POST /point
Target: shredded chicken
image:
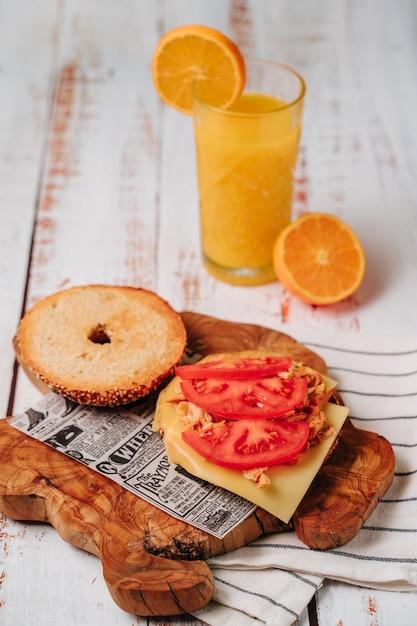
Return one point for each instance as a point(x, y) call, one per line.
point(259, 476)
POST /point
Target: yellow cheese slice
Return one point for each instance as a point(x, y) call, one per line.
point(289, 483)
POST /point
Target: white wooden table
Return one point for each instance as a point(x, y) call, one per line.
point(98, 184)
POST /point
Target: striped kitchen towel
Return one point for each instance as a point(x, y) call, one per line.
point(272, 580)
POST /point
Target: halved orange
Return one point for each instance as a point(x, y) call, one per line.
point(200, 58)
point(319, 258)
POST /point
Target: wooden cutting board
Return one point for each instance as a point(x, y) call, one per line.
point(152, 563)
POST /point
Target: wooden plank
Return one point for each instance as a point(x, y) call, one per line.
point(96, 218)
point(27, 41)
point(339, 603)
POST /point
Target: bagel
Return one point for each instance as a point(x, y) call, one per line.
point(101, 345)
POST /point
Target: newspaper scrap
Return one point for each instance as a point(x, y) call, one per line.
point(121, 445)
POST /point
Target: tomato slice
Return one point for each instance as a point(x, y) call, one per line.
point(246, 367)
point(272, 397)
point(249, 444)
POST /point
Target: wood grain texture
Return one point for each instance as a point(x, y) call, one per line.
point(154, 564)
point(96, 515)
point(347, 488)
point(26, 73)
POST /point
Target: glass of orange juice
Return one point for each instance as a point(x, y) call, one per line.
point(246, 156)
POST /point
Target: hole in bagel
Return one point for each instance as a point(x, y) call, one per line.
point(99, 334)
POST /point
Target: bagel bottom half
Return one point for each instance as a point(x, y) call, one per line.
point(101, 345)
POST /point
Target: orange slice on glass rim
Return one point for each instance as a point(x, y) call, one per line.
point(197, 58)
point(319, 258)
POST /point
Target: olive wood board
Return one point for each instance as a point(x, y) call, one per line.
point(152, 563)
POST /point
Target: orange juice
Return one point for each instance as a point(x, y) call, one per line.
point(246, 158)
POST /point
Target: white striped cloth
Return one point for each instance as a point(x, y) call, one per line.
point(272, 580)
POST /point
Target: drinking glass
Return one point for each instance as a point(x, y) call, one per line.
point(246, 157)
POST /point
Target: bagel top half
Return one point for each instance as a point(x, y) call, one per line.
point(101, 345)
